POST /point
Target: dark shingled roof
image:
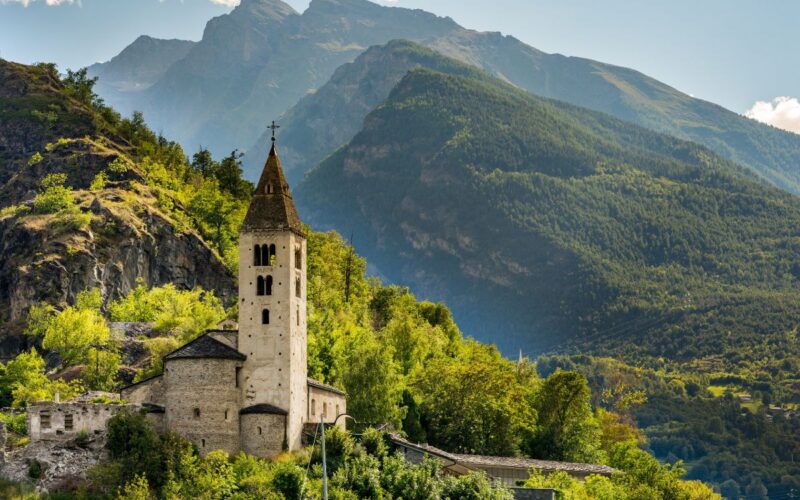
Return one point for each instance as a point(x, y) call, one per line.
point(263, 408)
point(325, 387)
point(272, 207)
point(528, 463)
point(473, 461)
point(206, 346)
point(148, 379)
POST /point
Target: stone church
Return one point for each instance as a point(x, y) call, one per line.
point(248, 389)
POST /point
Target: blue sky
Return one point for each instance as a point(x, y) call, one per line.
point(733, 52)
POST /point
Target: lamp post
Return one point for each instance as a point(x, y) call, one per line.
point(324, 459)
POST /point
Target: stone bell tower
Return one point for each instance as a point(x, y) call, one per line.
point(272, 302)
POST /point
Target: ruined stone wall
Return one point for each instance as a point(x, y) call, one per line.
point(63, 421)
point(150, 391)
point(327, 403)
point(263, 434)
point(202, 402)
point(276, 366)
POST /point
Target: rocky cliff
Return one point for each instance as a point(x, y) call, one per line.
point(125, 235)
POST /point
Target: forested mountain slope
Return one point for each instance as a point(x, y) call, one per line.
point(543, 224)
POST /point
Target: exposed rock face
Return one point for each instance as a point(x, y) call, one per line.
point(140, 64)
point(259, 60)
point(48, 258)
point(61, 464)
point(119, 248)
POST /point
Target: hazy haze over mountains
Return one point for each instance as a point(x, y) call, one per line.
point(261, 59)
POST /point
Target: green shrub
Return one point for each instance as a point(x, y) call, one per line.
point(287, 479)
point(99, 182)
point(473, 486)
point(118, 167)
point(14, 210)
point(15, 422)
point(362, 476)
point(35, 469)
point(53, 197)
point(83, 438)
point(374, 442)
point(36, 158)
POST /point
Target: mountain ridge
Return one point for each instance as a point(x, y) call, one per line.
point(578, 226)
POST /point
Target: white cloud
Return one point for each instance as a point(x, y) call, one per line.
point(229, 3)
point(51, 3)
point(782, 112)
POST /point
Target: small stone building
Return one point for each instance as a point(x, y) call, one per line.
point(247, 389)
point(54, 421)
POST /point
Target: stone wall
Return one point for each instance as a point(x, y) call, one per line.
point(149, 391)
point(202, 402)
point(62, 421)
point(263, 434)
point(322, 402)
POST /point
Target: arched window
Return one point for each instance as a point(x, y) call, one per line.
point(272, 256)
point(270, 189)
point(257, 255)
point(268, 289)
point(259, 430)
point(324, 409)
point(297, 290)
point(298, 315)
point(196, 413)
point(203, 443)
point(298, 258)
point(265, 317)
point(260, 288)
point(226, 414)
point(264, 255)
point(313, 406)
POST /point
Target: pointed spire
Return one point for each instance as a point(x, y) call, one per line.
point(272, 207)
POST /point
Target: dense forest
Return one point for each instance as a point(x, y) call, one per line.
point(555, 229)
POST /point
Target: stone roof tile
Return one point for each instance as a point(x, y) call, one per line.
point(263, 408)
point(272, 207)
point(528, 463)
point(325, 387)
point(206, 346)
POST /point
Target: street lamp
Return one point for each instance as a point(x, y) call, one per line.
point(324, 460)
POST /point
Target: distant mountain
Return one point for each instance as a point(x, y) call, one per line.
point(254, 63)
point(544, 225)
point(634, 97)
point(327, 119)
point(137, 67)
point(121, 231)
point(330, 117)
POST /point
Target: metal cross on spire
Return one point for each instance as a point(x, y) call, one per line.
point(274, 127)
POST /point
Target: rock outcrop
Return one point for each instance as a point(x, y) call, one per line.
point(129, 238)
